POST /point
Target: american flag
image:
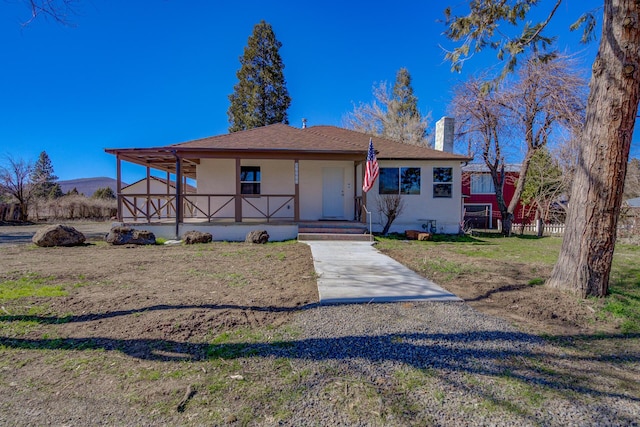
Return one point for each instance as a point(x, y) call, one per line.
point(371, 172)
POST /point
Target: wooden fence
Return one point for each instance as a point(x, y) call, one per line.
point(548, 230)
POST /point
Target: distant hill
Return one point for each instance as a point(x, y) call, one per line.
point(88, 186)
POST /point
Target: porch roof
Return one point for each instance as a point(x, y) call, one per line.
point(279, 141)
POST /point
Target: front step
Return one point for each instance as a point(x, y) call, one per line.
point(333, 230)
point(335, 236)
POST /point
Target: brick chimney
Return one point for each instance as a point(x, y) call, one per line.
point(444, 134)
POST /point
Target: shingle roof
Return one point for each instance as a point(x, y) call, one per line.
point(279, 137)
point(279, 141)
point(385, 148)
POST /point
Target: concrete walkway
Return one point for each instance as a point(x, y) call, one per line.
point(356, 272)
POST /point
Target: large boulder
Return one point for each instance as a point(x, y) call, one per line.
point(257, 236)
point(193, 237)
point(58, 235)
point(122, 235)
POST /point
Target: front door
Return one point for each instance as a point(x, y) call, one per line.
point(333, 193)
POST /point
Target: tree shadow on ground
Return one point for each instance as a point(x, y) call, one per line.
point(89, 317)
point(486, 353)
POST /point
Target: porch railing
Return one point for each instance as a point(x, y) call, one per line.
point(206, 207)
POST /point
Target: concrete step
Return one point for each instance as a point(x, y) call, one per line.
point(334, 236)
point(333, 230)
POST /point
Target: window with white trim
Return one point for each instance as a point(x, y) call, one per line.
point(399, 181)
point(250, 180)
point(442, 182)
point(482, 183)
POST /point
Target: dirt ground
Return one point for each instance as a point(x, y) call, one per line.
point(182, 292)
point(501, 288)
point(244, 292)
point(160, 306)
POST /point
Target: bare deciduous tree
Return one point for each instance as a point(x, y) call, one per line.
point(393, 114)
point(58, 10)
point(480, 119)
point(545, 96)
point(14, 180)
point(391, 206)
point(548, 96)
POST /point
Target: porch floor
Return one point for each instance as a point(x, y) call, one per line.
point(307, 230)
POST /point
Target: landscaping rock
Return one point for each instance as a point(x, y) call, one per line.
point(58, 235)
point(193, 237)
point(130, 236)
point(257, 236)
point(417, 235)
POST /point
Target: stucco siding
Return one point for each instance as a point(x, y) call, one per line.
point(311, 188)
point(423, 207)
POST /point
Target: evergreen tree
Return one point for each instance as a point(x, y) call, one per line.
point(56, 191)
point(42, 177)
point(403, 121)
point(260, 97)
point(544, 183)
point(104, 193)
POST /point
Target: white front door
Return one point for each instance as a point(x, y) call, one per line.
point(333, 193)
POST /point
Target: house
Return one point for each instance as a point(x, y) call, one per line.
point(137, 205)
point(480, 201)
point(279, 178)
point(630, 215)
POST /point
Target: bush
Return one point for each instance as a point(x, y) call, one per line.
point(75, 207)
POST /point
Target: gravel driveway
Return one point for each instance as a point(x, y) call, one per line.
point(481, 371)
point(20, 234)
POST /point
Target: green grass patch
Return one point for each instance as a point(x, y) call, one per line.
point(30, 285)
point(623, 301)
point(542, 250)
point(443, 266)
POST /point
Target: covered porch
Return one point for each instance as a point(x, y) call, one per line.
point(231, 193)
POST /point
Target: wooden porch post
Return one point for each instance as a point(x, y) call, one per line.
point(296, 198)
point(148, 192)
point(119, 186)
point(178, 194)
point(364, 194)
point(238, 192)
point(356, 214)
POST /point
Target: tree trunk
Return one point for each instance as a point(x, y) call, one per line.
point(507, 223)
point(584, 263)
point(390, 220)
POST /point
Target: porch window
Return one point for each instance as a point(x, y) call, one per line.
point(442, 182)
point(250, 179)
point(482, 183)
point(399, 181)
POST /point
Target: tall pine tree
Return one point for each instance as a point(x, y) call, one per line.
point(42, 177)
point(403, 120)
point(260, 97)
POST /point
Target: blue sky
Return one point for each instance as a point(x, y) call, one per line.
point(156, 72)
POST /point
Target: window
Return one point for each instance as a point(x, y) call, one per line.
point(482, 183)
point(442, 182)
point(399, 181)
point(250, 179)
